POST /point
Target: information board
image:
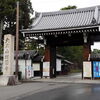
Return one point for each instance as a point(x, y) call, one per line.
point(36, 66)
point(87, 71)
point(46, 68)
point(96, 69)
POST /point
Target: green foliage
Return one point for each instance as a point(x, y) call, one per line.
point(1, 49)
point(8, 15)
point(72, 53)
point(69, 7)
point(96, 51)
point(1, 73)
point(8, 12)
point(41, 51)
point(75, 71)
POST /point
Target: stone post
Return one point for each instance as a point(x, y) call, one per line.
point(8, 61)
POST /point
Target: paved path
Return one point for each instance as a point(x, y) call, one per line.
point(25, 89)
point(72, 78)
point(40, 85)
point(71, 92)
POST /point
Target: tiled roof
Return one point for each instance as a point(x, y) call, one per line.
point(29, 53)
point(23, 53)
point(60, 56)
point(68, 62)
point(38, 58)
point(67, 19)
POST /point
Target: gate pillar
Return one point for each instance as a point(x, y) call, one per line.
point(50, 56)
point(86, 51)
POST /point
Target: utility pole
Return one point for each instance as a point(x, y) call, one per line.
point(17, 38)
point(1, 28)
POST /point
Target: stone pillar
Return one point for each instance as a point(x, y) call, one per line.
point(8, 61)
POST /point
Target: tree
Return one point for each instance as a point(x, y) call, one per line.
point(72, 53)
point(8, 15)
point(96, 51)
point(69, 7)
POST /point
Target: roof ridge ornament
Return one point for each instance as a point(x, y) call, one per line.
point(96, 16)
point(37, 21)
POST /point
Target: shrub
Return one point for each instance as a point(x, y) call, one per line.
point(1, 73)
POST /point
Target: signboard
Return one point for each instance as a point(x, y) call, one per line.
point(96, 68)
point(87, 70)
point(58, 65)
point(36, 67)
point(46, 68)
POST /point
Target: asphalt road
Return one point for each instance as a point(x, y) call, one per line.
point(70, 92)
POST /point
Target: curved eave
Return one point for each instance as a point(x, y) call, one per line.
point(42, 32)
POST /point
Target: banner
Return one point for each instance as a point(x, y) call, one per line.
point(96, 69)
point(29, 69)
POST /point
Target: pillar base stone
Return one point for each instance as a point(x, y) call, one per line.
point(8, 80)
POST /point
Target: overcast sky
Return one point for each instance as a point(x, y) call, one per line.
point(55, 5)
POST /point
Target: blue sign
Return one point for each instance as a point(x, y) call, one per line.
point(96, 68)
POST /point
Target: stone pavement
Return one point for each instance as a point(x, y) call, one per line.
point(39, 85)
point(72, 78)
point(25, 89)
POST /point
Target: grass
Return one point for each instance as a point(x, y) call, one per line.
point(75, 71)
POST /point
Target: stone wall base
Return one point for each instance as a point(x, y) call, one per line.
point(8, 80)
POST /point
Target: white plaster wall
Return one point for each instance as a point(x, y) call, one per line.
point(22, 66)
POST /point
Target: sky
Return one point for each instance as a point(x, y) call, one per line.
point(55, 5)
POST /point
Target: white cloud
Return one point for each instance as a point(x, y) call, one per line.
point(96, 46)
